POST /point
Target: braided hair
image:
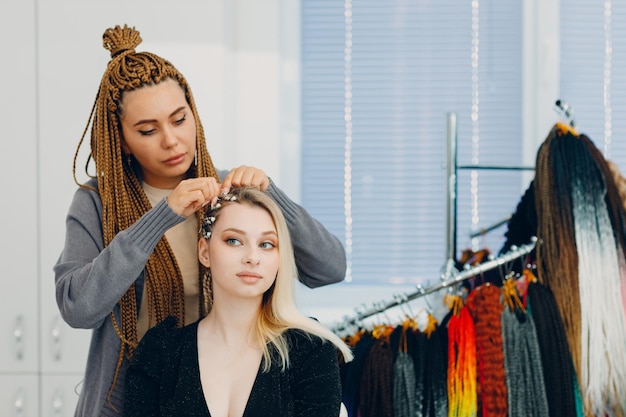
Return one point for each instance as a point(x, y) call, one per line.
point(119, 182)
point(557, 257)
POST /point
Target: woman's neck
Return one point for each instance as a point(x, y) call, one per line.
point(232, 323)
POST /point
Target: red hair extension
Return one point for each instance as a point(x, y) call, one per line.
point(485, 307)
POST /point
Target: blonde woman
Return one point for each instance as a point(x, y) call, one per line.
point(254, 354)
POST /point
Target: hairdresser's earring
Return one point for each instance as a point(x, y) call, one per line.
point(195, 158)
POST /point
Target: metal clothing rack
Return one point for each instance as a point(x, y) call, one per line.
point(451, 276)
point(450, 281)
point(452, 168)
point(564, 112)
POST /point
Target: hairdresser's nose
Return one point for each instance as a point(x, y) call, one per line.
point(169, 138)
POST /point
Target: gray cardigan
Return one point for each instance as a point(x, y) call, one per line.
point(91, 279)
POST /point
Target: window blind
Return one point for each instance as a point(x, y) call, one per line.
point(593, 71)
point(378, 79)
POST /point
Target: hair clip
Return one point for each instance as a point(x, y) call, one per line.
point(208, 219)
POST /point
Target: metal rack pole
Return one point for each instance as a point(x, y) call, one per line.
point(381, 306)
point(451, 192)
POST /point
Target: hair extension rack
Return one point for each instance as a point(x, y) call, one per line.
point(564, 111)
point(447, 281)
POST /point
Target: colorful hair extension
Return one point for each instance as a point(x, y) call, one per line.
point(557, 258)
point(603, 355)
point(462, 395)
point(485, 306)
point(581, 259)
point(524, 376)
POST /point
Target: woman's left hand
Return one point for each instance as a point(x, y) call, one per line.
point(246, 176)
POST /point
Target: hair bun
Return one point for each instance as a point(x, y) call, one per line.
point(118, 39)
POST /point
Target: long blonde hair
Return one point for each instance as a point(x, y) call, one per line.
point(119, 182)
point(279, 312)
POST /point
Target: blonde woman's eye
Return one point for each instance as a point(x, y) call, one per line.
point(267, 245)
point(146, 132)
point(233, 242)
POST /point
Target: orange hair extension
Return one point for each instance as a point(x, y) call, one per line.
point(431, 325)
point(564, 129)
point(454, 303)
point(462, 395)
point(485, 308)
point(511, 295)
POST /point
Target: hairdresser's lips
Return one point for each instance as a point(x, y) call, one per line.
point(249, 277)
point(175, 160)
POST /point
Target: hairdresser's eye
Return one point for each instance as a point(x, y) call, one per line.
point(146, 132)
point(182, 119)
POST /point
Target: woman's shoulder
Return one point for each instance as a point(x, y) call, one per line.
point(310, 355)
point(87, 191)
point(303, 343)
point(90, 187)
point(86, 203)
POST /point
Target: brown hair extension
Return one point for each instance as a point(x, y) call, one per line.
point(119, 184)
point(486, 308)
point(375, 389)
point(557, 257)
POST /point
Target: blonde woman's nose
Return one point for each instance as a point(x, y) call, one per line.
point(251, 257)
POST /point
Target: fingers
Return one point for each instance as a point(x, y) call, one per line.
point(192, 194)
point(246, 176)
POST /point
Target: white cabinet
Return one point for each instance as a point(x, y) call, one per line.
point(59, 395)
point(18, 344)
point(18, 182)
point(41, 358)
point(19, 396)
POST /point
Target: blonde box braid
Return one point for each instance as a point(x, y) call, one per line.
point(119, 184)
point(603, 359)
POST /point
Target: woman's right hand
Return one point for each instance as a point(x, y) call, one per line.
point(192, 194)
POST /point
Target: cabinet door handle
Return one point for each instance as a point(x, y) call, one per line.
point(18, 337)
point(19, 402)
point(56, 339)
point(57, 403)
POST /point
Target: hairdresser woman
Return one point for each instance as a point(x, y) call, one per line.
point(130, 255)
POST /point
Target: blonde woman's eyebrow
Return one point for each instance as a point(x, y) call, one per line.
point(234, 229)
